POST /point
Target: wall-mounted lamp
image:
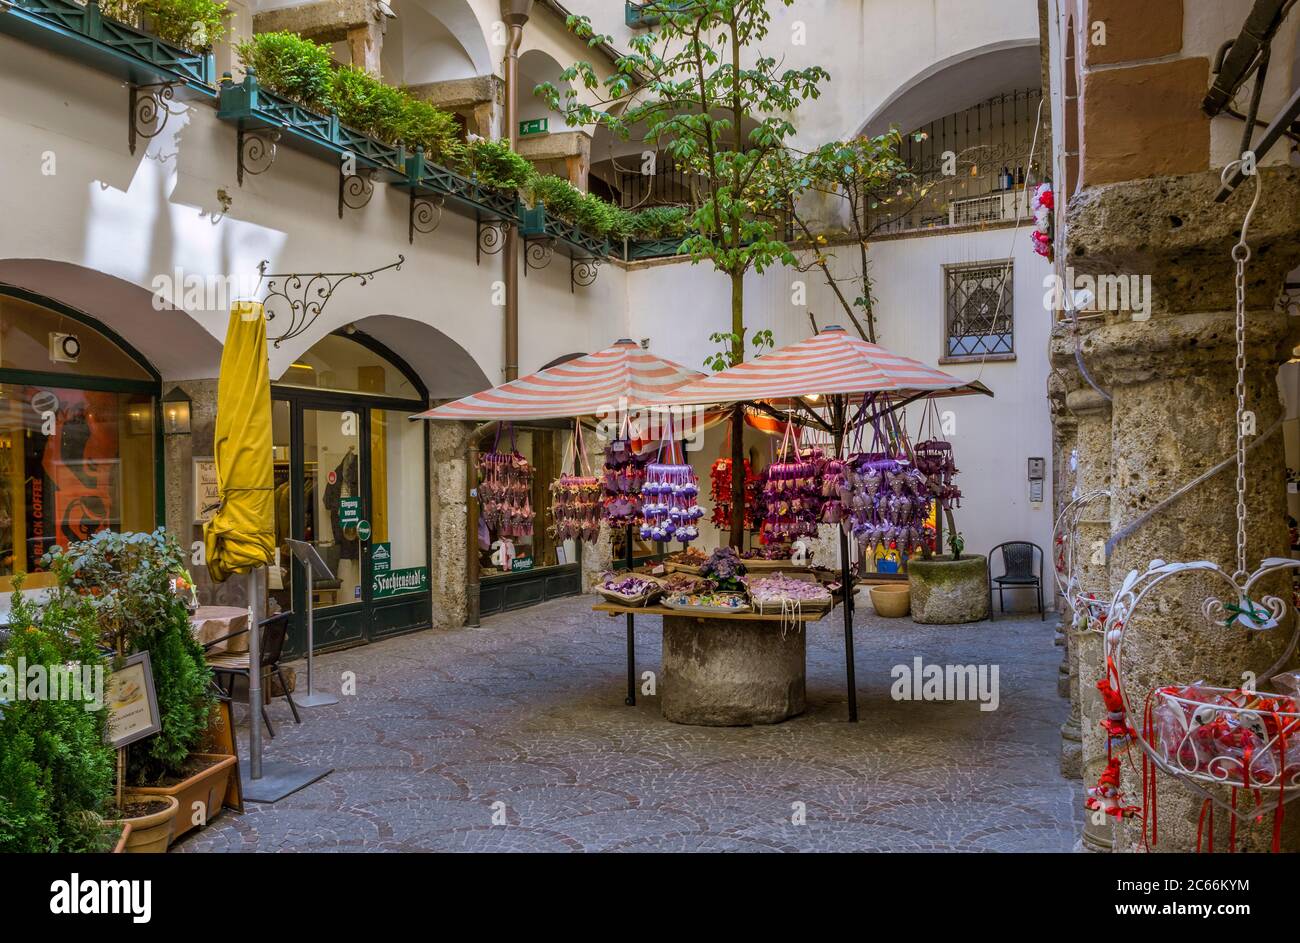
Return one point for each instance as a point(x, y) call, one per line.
point(176, 412)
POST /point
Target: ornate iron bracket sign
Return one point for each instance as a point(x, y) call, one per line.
point(355, 190)
point(425, 215)
point(255, 151)
point(538, 254)
point(149, 109)
point(582, 272)
point(303, 297)
point(490, 235)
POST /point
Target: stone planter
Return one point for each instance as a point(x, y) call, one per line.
point(948, 592)
point(207, 787)
point(731, 672)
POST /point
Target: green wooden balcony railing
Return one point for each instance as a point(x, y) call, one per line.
point(82, 32)
point(536, 223)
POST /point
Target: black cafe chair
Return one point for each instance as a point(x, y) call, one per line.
point(1018, 558)
point(231, 665)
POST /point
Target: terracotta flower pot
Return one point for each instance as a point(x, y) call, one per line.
point(207, 787)
point(892, 600)
point(149, 834)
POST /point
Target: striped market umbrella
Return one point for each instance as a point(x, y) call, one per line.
point(836, 369)
point(828, 364)
point(618, 378)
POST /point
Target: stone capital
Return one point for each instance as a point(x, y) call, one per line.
point(1170, 229)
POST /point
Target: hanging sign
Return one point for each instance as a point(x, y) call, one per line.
point(363, 530)
point(381, 557)
point(412, 579)
point(349, 511)
point(534, 126)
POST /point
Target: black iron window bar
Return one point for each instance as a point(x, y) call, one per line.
point(302, 297)
point(979, 310)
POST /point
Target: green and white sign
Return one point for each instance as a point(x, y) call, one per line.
point(349, 511)
point(534, 126)
point(363, 530)
point(412, 579)
point(381, 557)
point(519, 564)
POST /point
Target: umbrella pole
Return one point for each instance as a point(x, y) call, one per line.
point(838, 412)
point(257, 612)
point(630, 700)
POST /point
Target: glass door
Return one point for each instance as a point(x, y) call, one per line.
point(354, 483)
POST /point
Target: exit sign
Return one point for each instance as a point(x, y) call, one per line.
point(534, 126)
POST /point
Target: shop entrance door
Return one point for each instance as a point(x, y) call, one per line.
point(353, 480)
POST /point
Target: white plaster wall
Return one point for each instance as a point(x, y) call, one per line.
point(139, 217)
point(992, 439)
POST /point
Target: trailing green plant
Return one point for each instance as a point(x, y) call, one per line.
point(561, 198)
point(494, 165)
point(137, 586)
point(194, 24)
point(56, 771)
point(420, 124)
point(291, 66)
point(659, 222)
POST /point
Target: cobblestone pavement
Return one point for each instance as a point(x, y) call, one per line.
point(528, 711)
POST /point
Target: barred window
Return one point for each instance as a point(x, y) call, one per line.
point(979, 306)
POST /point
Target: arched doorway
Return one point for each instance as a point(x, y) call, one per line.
point(352, 479)
point(79, 433)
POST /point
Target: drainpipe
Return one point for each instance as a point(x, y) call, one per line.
point(515, 14)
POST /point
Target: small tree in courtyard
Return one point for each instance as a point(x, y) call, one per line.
point(697, 88)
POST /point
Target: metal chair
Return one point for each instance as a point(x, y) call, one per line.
point(231, 665)
point(1018, 564)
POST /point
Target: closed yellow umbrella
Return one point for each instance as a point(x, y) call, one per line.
point(241, 535)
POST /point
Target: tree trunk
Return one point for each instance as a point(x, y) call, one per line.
point(738, 416)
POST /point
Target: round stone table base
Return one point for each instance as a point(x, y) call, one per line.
point(731, 672)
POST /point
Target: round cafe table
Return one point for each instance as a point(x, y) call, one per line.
point(214, 622)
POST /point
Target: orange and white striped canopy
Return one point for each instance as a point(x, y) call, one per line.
point(610, 381)
point(826, 364)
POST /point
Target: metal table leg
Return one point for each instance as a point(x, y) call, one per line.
point(630, 700)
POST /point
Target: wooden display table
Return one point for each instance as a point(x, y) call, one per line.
point(726, 669)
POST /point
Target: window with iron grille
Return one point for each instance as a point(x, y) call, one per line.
point(979, 307)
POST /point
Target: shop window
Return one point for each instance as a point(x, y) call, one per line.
point(77, 437)
point(545, 450)
point(978, 310)
point(339, 363)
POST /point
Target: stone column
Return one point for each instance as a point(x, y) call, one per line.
point(365, 43)
point(1094, 416)
point(448, 445)
point(1173, 417)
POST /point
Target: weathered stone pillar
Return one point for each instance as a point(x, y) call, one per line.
point(448, 444)
point(359, 23)
point(1172, 381)
point(480, 98)
point(564, 153)
point(1092, 455)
